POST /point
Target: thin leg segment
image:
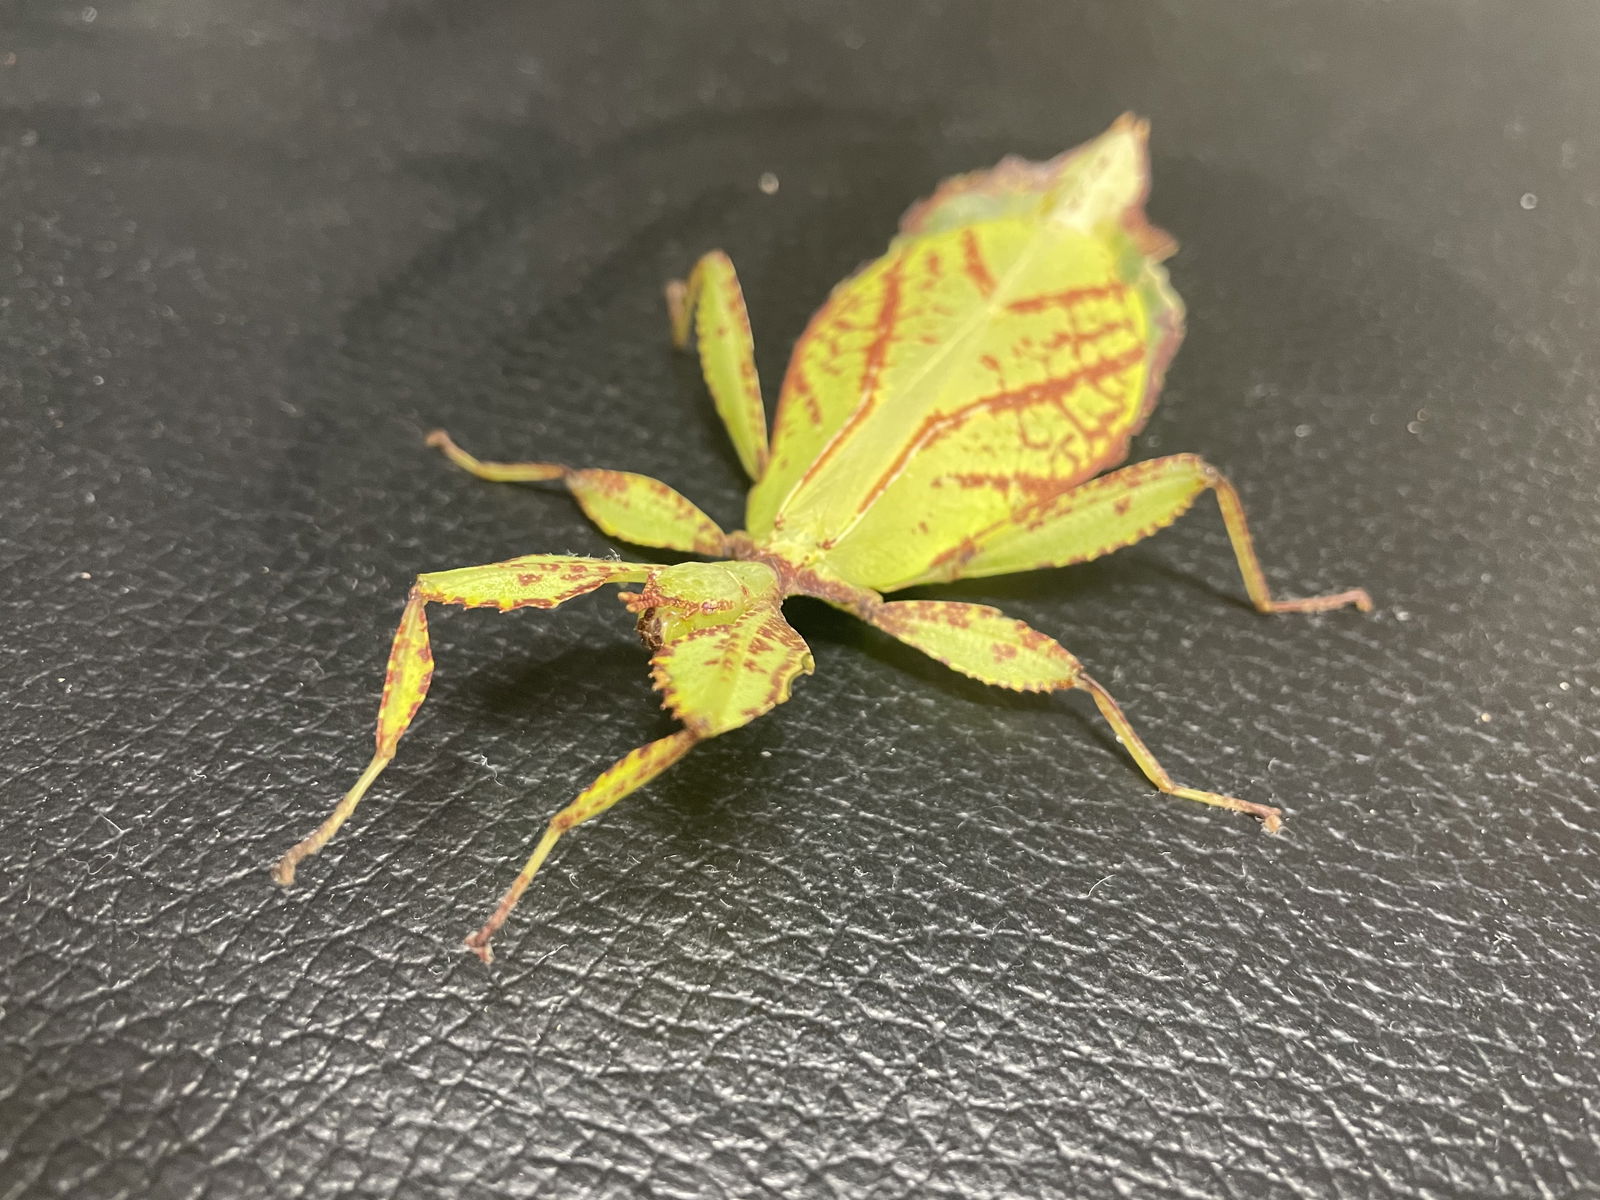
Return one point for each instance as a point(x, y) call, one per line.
point(989, 646)
point(632, 508)
point(626, 775)
point(1117, 510)
point(539, 581)
point(713, 302)
point(404, 687)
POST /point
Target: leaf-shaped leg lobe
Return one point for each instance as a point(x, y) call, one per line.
point(710, 304)
point(723, 655)
point(538, 581)
point(991, 647)
point(1114, 511)
point(405, 685)
point(629, 507)
point(626, 775)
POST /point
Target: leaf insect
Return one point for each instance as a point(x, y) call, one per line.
point(947, 414)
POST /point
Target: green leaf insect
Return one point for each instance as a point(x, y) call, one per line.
point(947, 414)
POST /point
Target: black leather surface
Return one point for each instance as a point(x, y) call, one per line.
point(905, 937)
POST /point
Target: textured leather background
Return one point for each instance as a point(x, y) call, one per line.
point(906, 937)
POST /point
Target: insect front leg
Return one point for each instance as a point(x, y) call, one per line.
point(723, 655)
point(540, 581)
point(1117, 510)
point(626, 775)
point(632, 508)
point(996, 649)
point(405, 685)
point(710, 304)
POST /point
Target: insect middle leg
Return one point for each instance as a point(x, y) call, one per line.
point(634, 508)
point(1122, 508)
point(989, 646)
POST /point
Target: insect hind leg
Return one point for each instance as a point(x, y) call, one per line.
point(989, 646)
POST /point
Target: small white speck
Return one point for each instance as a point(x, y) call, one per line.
point(1529, 201)
point(768, 753)
point(1485, 718)
point(1401, 614)
point(1565, 686)
point(768, 183)
point(89, 14)
point(84, 575)
point(1301, 431)
point(1413, 426)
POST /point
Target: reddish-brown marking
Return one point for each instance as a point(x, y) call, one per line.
point(803, 393)
point(1080, 338)
point(877, 354)
point(1121, 506)
point(972, 263)
point(1035, 487)
point(1070, 298)
point(884, 328)
point(1013, 400)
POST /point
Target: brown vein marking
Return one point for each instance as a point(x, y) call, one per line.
point(1052, 390)
point(972, 263)
point(1038, 514)
point(760, 631)
point(1070, 298)
point(1075, 337)
point(803, 393)
point(877, 353)
point(1034, 486)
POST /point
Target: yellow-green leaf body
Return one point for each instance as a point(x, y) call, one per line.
point(948, 412)
point(1005, 349)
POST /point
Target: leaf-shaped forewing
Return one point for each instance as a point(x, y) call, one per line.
point(988, 388)
point(719, 677)
point(892, 324)
point(1102, 182)
point(1005, 349)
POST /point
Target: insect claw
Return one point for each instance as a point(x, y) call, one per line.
point(478, 943)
